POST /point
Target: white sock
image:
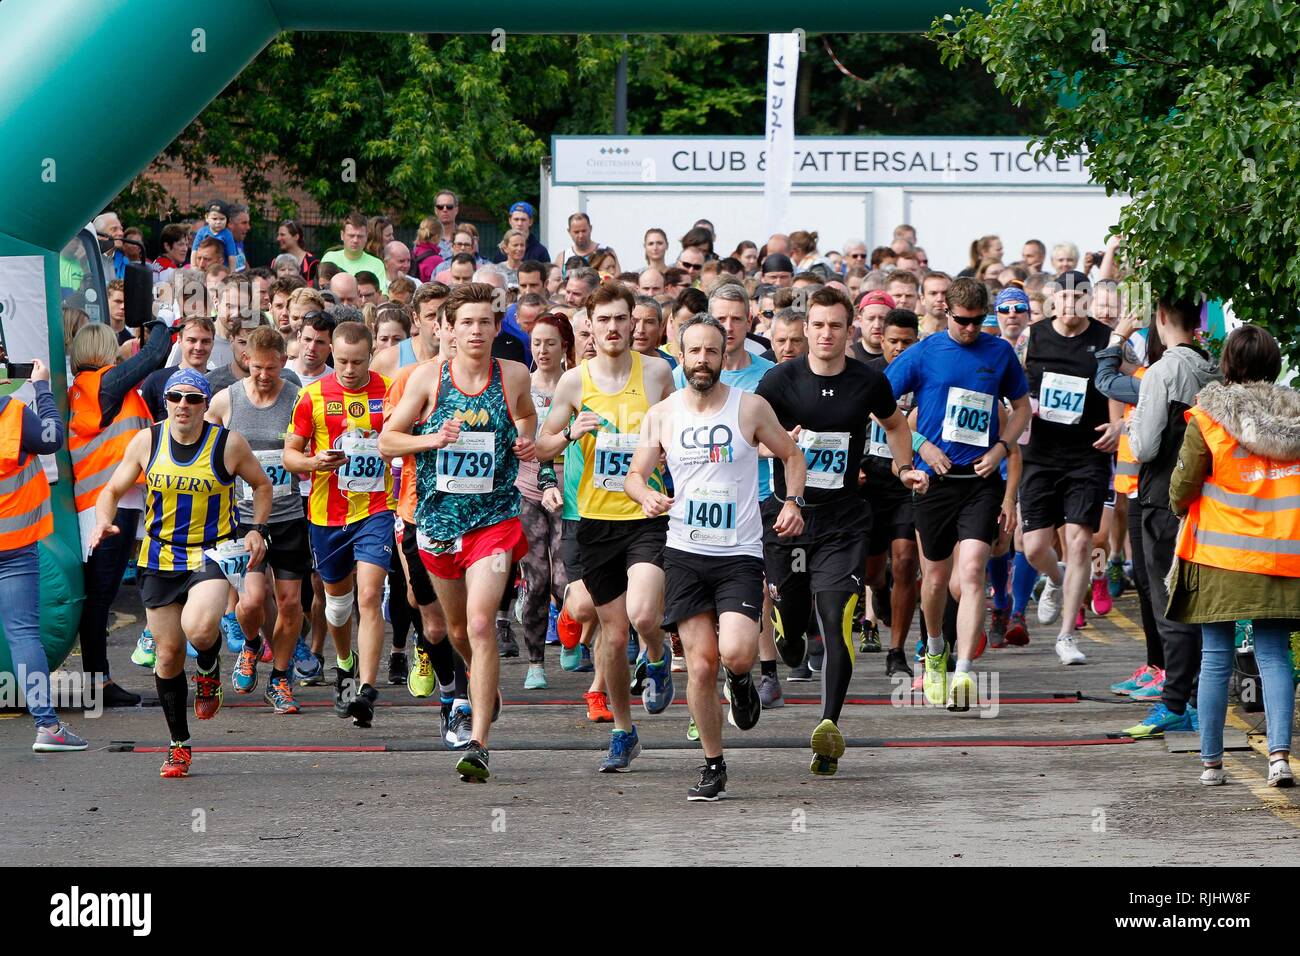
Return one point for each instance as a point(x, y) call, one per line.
point(963, 665)
point(935, 645)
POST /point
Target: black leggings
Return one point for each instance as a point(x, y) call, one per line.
point(400, 613)
point(1155, 650)
point(792, 611)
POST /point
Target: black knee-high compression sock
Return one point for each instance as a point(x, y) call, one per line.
point(173, 694)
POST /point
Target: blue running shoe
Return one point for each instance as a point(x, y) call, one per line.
point(1162, 720)
point(190, 650)
point(585, 666)
point(623, 746)
point(146, 651)
point(570, 659)
point(231, 632)
point(633, 647)
point(658, 693)
point(552, 633)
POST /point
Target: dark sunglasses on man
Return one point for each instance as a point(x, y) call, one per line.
point(966, 319)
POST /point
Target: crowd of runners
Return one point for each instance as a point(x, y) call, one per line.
point(779, 456)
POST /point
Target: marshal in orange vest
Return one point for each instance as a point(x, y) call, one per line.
point(96, 452)
point(1248, 515)
point(25, 515)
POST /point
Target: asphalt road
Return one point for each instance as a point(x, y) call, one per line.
point(1038, 782)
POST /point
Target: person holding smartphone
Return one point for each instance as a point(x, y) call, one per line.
point(26, 518)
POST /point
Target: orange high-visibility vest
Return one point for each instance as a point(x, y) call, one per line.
point(1127, 466)
point(1248, 515)
point(96, 452)
point(25, 515)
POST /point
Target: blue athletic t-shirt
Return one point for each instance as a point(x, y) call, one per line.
point(746, 379)
point(957, 390)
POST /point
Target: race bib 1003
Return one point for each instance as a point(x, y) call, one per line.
point(272, 463)
point(967, 416)
point(827, 454)
point(364, 471)
point(1061, 398)
point(711, 513)
point(468, 465)
point(613, 460)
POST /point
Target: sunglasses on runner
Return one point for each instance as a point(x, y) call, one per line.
point(189, 398)
point(966, 319)
point(1017, 309)
point(690, 265)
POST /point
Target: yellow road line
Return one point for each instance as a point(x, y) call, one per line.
point(1280, 806)
point(1127, 625)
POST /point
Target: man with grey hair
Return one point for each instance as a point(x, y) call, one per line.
point(108, 226)
point(856, 254)
point(397, 262)
point(579, 285)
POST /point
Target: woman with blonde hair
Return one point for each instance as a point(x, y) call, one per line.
point(512, 246)
point(105, 412)
point(606, 263)
point(982, 249)
point(425, 257)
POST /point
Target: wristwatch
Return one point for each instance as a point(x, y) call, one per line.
point(568, 436)
point(260, 529)
point(798, 501)
point(1003, 443)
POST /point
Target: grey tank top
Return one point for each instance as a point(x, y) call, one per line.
point(265, 429)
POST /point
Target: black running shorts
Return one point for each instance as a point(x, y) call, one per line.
point(956, 509)
point(830, 554)
point(1052, 496)
point(696, 584)
point(609, 548)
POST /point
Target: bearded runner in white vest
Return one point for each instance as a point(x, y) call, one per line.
point(713, 562)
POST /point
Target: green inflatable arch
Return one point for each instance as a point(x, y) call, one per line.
point(81, 114)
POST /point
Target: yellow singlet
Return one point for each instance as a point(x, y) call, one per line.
point(607, 452)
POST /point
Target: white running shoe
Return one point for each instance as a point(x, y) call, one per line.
point(1279, 774)
point(1067, 649)
point(1049, 603)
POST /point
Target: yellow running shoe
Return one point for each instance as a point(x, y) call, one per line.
point(962, 692)
point(828, 748)
point(936, 678)
point(420, 681)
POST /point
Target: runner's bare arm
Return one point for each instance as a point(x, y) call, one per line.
point(396, 440)
point(133, 462)
point(899, 438)
point(219, 408)
point(520, 391)
point(241, 461)
point(385, 361)
point(644, 461)
point(768, 431)
point(658, 381)
point(564, 406)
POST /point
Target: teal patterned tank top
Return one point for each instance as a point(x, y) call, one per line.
point(469, 484)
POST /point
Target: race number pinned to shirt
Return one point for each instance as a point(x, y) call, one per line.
point(1061, 398)
point(232, 557)
point(711, 513)
point(364, 470)
point(827, 454)
point(614, 452)
point(878, 446)
point(468, 465)
point(967, 417)
point(272, 463)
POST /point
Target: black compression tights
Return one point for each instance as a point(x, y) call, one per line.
point(834, 610)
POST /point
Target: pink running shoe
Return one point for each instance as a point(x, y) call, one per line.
point(1101, 599)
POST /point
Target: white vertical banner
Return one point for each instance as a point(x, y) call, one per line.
point(782, 75)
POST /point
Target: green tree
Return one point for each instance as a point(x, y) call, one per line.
point(1188, 108)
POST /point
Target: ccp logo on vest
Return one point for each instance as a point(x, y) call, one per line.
point(716, 439)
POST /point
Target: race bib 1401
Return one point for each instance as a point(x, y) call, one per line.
point(711, 513)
